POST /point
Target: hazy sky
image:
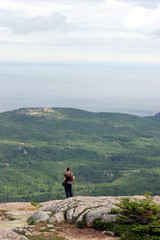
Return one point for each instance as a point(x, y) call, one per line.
point(80, 30)
point(98, 49)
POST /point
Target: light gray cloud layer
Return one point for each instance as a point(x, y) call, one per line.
point(144, 3)
point(81, 30)
point(56, 22)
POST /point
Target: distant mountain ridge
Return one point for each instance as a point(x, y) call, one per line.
point(157, 115)
point(109, 153)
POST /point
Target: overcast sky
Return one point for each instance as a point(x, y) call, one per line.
point(105, 49)
point(80, 30)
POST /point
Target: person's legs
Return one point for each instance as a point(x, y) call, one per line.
point(67, 190)
point(70, 190)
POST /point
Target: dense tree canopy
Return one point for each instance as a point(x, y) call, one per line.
point(109, 153)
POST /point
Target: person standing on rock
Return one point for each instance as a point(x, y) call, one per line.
point(68, 178)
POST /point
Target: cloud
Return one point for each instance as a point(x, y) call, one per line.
point(144, 3)
point(56, 22)
point(94, 29)
point(144, 20)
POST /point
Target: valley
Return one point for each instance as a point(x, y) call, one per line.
point(110, 153)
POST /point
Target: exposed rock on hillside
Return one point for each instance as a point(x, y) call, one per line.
point(78, 209)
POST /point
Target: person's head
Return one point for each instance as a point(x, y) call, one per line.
point(68, 169)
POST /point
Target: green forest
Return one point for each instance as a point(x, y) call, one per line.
point(109, 153)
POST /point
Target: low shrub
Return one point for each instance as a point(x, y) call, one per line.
point(115, 211)
point(83, 223)
point(138, 220)
point(99, 225)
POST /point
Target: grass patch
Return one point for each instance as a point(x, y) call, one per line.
point(54, 236)
point(3, 211)
point(4, 215)
point(10, 217)
point(42, 227)
point(52, 213)
point(37, 205)
point(83, 223)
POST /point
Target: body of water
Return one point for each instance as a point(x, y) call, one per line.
point(102, 88)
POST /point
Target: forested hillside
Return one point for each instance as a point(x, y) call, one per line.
point(109, 153)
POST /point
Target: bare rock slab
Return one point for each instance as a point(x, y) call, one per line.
point(7, 234)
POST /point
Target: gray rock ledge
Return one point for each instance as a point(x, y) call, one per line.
point(73, 209)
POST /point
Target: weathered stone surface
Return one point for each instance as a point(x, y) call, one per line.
point(79, 210)
point(76, 207)
point(96, 213)
point(27, 233)
point(69, 215)
point(109, 218)
point(109, 233)
point(54, 211)
point(58, 217)
point(7, 234)
point(16, 206)
point(40, 216)
point(50, 225)
point(81, 216)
